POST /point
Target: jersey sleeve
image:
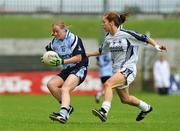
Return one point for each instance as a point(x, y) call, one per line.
point(77, 46)
point(135, 38)
point(48, 47)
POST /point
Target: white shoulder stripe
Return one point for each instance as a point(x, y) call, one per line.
point(75, 43)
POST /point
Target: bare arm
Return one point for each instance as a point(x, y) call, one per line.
point(73, 59)
point(156, 45)
point(95, 53)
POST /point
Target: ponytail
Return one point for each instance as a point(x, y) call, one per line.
point(122, 17)
point(117, 18)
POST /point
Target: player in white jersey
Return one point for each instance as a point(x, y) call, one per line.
point(123, 45)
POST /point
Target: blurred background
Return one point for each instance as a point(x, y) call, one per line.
point(25, 28)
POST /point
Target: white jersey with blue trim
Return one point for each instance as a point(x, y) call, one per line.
point(124, 47)
point(69, 47)
point(105, 64)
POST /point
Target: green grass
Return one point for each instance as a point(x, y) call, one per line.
point(30, 113)
point(85, 27)
point(165, 28)
point(40, 27)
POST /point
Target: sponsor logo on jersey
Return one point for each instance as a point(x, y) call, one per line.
point(116, 46)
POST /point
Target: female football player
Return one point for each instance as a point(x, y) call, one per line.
point(74, 60)
point(123, 45)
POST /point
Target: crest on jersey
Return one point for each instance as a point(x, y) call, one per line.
point(79, 48)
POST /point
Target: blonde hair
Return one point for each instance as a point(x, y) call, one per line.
point(61, 24)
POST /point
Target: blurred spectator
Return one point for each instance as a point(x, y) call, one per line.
point(161, 72)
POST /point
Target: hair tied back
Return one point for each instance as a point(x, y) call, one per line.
point(122, 17)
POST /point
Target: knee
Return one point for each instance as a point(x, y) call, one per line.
point(50, 85)
point(65, 89)
point(107, 87)
point(107, 84)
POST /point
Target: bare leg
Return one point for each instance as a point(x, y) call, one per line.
point(116, 80)
point(126, 98)
point(54, 86)
point(132, 100)
point(70, 83)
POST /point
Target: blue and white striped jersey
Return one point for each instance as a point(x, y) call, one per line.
point(124, 47)
point(69, 47)
point(105, 64)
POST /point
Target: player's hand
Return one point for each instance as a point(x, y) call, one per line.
point(56, 61)
point(87, 54)
point(160, 47)
point(42, 61)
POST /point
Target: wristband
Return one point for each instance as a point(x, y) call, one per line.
point(157, 47)
point(62, 62)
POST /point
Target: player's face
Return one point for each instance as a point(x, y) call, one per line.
point(106, 25)
point(58, 32)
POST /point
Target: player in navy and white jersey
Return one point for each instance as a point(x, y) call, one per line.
point(104, 62)
point(124, 46)
point(71, 50)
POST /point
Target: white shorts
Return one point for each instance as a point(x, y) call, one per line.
point(130, 76)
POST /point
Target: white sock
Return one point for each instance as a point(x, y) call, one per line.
point(64, 111)
point(106, 105)
point(144, 106)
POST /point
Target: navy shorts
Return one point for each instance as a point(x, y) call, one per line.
point(80, 72)
point(104, 79)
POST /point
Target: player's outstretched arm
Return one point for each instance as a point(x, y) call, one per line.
point(94, 53)
point(156, 45)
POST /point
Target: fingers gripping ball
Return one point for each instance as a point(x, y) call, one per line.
point(51, 58)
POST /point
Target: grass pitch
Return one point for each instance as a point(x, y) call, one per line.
point(85, 27)
point(30, 113)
